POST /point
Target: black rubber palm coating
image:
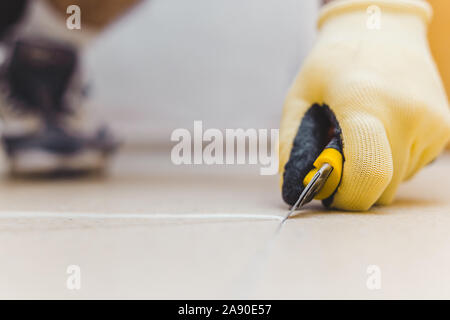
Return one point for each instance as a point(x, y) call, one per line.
point(318, 130)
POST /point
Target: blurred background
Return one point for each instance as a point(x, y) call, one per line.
point(170, 62)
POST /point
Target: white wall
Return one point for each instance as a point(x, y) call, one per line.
point(226, 62)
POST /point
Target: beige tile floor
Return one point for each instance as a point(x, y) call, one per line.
point(153, 230)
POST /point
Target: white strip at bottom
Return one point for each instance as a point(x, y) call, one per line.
point(144, 216)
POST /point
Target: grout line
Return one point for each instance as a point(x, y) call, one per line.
point(251, 277)
point(144, 216)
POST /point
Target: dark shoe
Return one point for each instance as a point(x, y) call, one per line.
point(40, 132)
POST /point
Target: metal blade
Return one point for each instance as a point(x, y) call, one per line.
point(312, 189)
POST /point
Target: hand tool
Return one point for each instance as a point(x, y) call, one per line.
point(321, 182)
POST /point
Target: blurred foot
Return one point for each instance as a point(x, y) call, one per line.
point(42, 133)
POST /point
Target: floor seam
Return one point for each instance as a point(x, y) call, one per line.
point(145, 216)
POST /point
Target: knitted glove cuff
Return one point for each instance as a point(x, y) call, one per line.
point(337, 7)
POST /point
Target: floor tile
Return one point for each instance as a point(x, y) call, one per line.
point(129, 259)
point(321, 254)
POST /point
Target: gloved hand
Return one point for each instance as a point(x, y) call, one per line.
point(378, 90)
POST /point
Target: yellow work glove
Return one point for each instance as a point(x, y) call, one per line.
point(371, 82)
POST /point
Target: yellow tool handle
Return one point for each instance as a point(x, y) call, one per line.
point(334, 158)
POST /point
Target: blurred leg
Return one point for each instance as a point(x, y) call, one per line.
point(10, 13)
point(43, 130)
